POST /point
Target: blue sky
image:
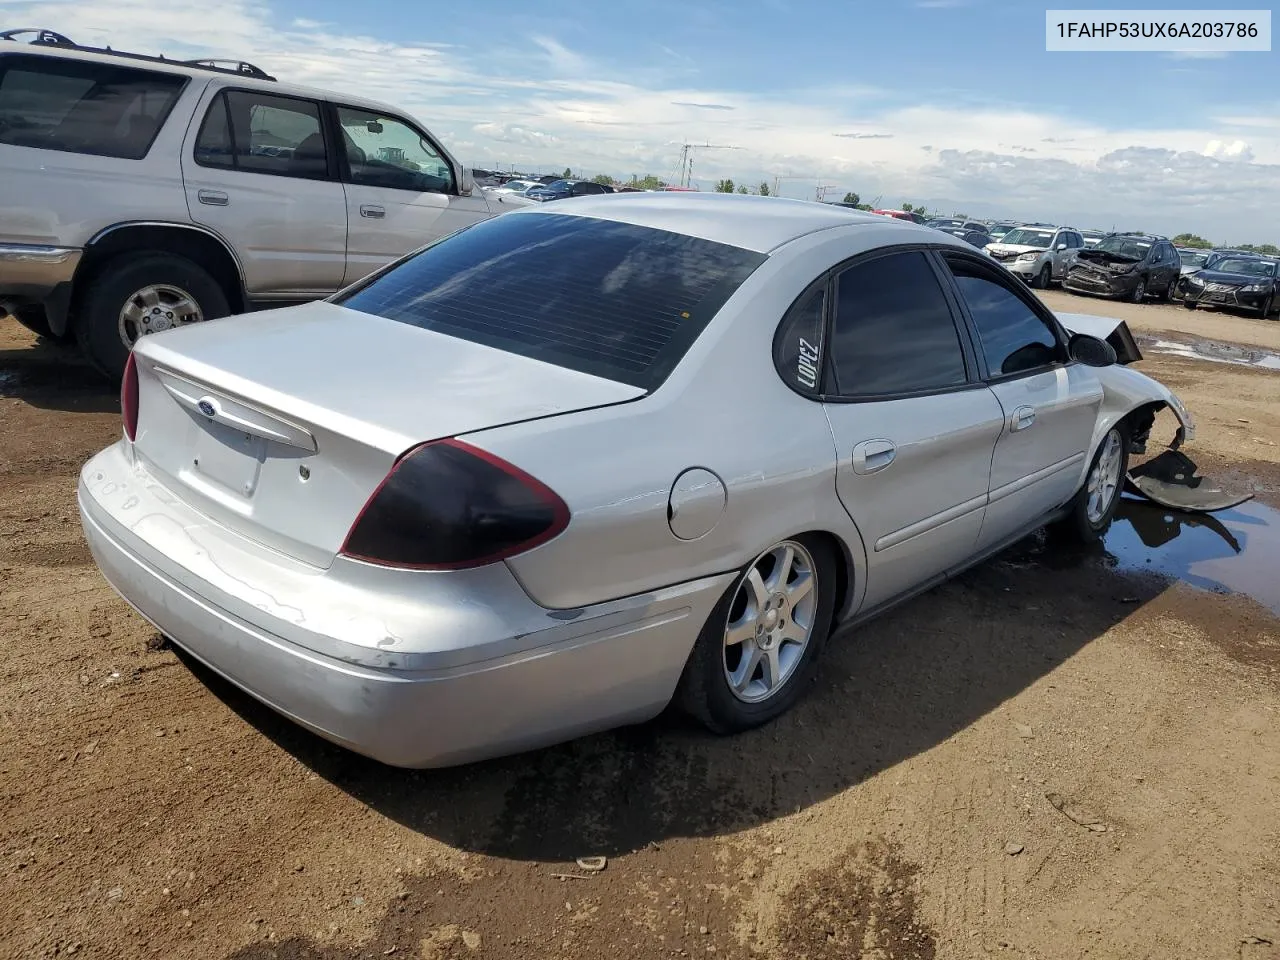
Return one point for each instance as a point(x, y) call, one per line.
point(954, 103)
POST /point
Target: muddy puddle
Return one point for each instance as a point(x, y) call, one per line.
point(1231, 551)
point(1214, 351)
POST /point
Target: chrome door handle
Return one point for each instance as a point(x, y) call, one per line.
point(214, 198)
point(372, 212)
point(871, 456)
point(1022, 418)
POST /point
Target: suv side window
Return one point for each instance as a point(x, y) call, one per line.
point(387, 152)
point(74, 106)
point(262, 133)
point(894, 332)
point(1012, 337)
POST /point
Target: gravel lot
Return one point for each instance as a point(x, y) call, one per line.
point(1053, 756)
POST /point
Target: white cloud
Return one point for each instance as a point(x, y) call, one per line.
point(535, 102)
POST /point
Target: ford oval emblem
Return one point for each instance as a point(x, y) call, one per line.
point(207, 407)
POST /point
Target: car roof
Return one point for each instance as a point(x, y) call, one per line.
point(761, 224)
point(226, 77)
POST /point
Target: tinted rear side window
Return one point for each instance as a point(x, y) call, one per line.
point(78, 107)
point(893, 330)
point(609, 299)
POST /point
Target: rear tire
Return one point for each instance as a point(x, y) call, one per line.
point(98, 323)
point(1089, 519)
point(707, 689)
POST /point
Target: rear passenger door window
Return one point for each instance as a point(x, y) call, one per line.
point(262, 133)
point(893, 331)
point(1011, 336)
point(73, 106)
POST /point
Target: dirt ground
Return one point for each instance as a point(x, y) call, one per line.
point(1057, 755)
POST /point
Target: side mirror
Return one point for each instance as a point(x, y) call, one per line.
point(466, 183)
point(1091, 351)
point(1061, 246)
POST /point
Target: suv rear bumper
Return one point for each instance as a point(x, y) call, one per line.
point(36, 275)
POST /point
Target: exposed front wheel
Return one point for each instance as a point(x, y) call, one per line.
point(1043, 278)
point(759, 649)
point(1139, 292)
point(1095, 505)
point(138, 294)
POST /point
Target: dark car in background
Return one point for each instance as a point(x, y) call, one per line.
point(1092, 237)
point(954, 223)
point(1193, 259)
point(1240, 281)
point(561, 189)
point(978, 238)
point(1126, 266)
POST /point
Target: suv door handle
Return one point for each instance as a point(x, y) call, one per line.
point(1022, 418)
point(871, 456)
point(372, 211)
point(214, 198)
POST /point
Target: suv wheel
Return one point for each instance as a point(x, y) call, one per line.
point(1043, 278)
point(1139, 292)
point(136, 294)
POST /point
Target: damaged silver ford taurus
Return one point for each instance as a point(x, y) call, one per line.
point(550, 473)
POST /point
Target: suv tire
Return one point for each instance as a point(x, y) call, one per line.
point(1044, 279)
point(115, 283)
point(1139, 294)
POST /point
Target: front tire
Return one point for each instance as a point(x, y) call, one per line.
point(1139, 292)
point(1188, 304)
point(1043, 278)
point(136, 294)
point(1267, 306)
point(1094, 506)
point(758, 651)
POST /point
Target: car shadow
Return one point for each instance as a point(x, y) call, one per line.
point(55, 376)
point(888, 690)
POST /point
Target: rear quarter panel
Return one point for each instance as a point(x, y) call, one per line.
point(60, 198)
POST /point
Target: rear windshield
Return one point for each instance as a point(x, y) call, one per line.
point(610, 299)
point(81, 107)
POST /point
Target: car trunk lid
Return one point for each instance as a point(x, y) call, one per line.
point(281, 424)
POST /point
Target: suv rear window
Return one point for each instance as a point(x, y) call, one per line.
point(80, 107)
point(610, 299)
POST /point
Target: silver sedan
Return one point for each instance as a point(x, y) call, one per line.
point(565, 466)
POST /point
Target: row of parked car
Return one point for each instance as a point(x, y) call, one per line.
point(1125, 266)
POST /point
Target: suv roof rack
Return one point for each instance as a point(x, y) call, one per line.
point(50, 38)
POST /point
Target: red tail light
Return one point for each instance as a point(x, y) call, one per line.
point(129, 399)
point(447, 505)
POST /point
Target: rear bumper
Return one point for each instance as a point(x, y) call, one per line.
point(35, 275)
point(456, 669)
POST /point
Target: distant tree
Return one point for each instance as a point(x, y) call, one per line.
point(853, 198)
point(647, 182)
point(724, 186)
point(961, 216)
point(603, 178)
point(1270, 249)
point(764, 190)
point(742, 188)
point(567, 174)
point(865, 206)
point(1192, 240)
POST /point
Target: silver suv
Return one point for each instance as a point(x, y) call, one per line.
point(1039, 253)
point(142, 193)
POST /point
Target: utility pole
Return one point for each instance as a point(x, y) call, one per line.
point(686, 157)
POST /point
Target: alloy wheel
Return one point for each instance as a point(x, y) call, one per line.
point(1104, 479)
point(770, 622)
point(156, 307)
